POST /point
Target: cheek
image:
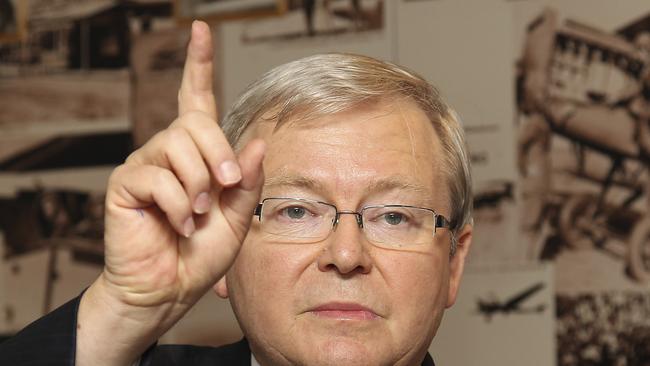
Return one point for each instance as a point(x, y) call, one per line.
point(420, 288)
point(266, 274)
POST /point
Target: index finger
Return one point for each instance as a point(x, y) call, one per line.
point(196, 93)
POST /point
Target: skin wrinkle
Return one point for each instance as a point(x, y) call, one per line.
point(362, 90)
point(408, 128)
point(328, 154)
point(282, 179)
point(444, 170)
point(376, 115)
point(383, 150)
point(290, 330)
point(270, 346)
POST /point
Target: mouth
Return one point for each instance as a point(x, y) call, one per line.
point(344, 311)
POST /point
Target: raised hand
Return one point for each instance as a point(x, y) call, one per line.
point(177, 212)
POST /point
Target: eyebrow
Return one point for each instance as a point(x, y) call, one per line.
point(291, 180)
point(375, 186)
point(396, 183)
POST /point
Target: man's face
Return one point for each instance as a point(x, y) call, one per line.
point(343, 300)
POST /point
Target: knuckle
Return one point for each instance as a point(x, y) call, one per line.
point(201, 180)
point(167, 188)
point(176, 122)
point(117, 174)
point(133, 157)
point(197, 182)
point(194, 117)
point(175, 135)
point(140, 155)
point(160, 135)
point(163, 178)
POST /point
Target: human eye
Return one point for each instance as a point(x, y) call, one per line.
point(392, 217)
point(294, 211)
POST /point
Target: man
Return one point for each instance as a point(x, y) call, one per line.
point(344, 250)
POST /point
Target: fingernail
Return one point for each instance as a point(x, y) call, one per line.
point(229, 172)
point(195, 24)
point(202, 203)
point(188, 227)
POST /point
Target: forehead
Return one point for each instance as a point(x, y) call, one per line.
point(384, 146)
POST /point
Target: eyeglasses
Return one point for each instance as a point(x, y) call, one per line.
point(299, 220)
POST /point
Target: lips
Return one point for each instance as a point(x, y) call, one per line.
point(344, 311)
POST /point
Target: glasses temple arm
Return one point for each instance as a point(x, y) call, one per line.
point(442, 221)
point(258, 211)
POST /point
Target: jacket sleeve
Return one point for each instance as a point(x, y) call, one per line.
point(50, 340)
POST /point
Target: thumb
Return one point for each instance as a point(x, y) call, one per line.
point(238, 203)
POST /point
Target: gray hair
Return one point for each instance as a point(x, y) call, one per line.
point(330, 83)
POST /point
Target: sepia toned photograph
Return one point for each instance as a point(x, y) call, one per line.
point(74, 65)
point(67, 98)
point(311, 18)
point(43, 218)
point(583, 157)
point(157, 60)
point(501, 304)
point(12, 21)
point(211, 10)
point(157, 67)
point(610, 328)
point(72, 68)
point(73, 35)
point(60, 152)
point(584, 143)
point(495, 213)
point(46, 235)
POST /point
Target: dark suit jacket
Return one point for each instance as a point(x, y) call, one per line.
point(51, 340)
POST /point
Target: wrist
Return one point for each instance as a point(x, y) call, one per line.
point(110, 332)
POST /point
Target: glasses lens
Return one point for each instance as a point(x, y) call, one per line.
point(296, 220)
point(398, 226)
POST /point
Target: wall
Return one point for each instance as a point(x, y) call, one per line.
point(554, 277)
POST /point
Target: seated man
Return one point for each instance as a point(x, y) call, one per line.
point(345, 248)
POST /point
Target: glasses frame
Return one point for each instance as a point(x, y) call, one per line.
point(440, 221)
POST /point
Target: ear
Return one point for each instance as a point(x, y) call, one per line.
point(221, 288)
point(457, 262)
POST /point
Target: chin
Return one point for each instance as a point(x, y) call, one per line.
point(345, 352)
point(354, 350)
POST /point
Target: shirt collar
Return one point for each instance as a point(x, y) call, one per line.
point(427, 361)
point(254, 361)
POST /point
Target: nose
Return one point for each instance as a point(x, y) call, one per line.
point(345, 251)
